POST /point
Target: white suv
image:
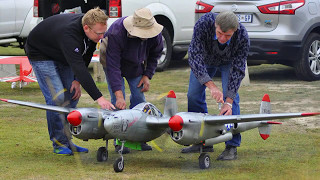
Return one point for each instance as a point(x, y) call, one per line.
point(15, 17)
point(177, 17)
point(281, 31)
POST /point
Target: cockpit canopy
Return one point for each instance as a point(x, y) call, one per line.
point(148, 108)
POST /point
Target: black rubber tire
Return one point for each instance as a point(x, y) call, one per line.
point(118, 165)
point(165, 58)
point(102, 154)
point(204, 161)
point(303, 67)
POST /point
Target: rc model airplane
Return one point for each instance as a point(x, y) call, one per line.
point(25, 75)
point(145, 122)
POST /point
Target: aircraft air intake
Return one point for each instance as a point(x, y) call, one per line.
point(74, 118)
point(176, 123)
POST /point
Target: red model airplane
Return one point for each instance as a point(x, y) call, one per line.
point(25, 75)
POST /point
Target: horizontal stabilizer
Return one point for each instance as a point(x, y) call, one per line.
point(39, 106)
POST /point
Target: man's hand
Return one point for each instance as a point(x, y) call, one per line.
point(215, 92)
point(120, 102)
point(227, 107)
point(226, 110)
point(145, 83)
point(105, 104)
point(75, 86)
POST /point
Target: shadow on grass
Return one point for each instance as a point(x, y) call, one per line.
point(178, 64)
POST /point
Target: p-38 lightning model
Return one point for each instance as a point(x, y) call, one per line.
point(145, 122)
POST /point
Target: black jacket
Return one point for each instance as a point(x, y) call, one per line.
point(61, 38)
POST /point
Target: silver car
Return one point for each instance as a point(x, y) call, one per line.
point(283, 32)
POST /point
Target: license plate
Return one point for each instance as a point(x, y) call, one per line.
point(244, 18)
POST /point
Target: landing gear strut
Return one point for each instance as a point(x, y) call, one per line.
point(204, 160)
point(118, 165)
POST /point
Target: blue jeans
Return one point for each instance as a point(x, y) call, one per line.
point(55, 80)
point(136, 96)
point(197, 96)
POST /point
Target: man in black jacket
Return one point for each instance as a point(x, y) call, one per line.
point(59, 49)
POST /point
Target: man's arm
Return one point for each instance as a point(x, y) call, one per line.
point(238, 63)
point(202, 32)
point(113, 64)
point(72, 48)
point(154, 54)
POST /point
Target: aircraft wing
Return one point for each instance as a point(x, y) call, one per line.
point(29, 79)
point(9, 79)
point(40, 106)
point(211, 119)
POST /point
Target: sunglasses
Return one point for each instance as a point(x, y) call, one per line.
point(97, 33)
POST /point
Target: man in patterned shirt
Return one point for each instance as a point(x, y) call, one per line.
point(218, 42)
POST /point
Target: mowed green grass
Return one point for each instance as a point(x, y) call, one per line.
point(291, 152)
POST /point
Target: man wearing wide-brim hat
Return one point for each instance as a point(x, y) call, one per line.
point(133, 47)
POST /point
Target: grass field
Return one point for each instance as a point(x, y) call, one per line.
point(291, 152)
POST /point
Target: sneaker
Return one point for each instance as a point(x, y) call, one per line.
point(124, 151)
point(230, 153)
point(79, 149)
point(196, 149)
point(62, 151)
point(145, 147)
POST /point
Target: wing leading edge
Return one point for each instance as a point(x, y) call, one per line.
point(39, 106)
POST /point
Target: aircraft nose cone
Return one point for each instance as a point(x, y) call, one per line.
point(74, 118)
point(176, 123)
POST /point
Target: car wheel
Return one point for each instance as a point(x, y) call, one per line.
point(165, 57)
point(308, 68)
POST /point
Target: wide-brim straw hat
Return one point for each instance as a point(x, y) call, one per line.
point(142, 24)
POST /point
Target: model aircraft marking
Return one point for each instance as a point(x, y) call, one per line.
point(135, 120)
point(229, 126)
point(125, 124)
point(201, 129)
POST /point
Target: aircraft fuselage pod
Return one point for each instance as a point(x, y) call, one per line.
point(131, 125)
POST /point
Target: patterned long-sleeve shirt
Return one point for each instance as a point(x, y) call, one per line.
point(204, 52)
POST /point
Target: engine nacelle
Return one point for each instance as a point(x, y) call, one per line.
point(90, 122)
point(194, 130)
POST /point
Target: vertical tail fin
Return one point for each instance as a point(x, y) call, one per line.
point(170, 107)
point(265, 108)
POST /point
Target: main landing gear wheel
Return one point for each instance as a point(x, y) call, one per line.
point(204, 161)
point(118, 165)
point(102, 154)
